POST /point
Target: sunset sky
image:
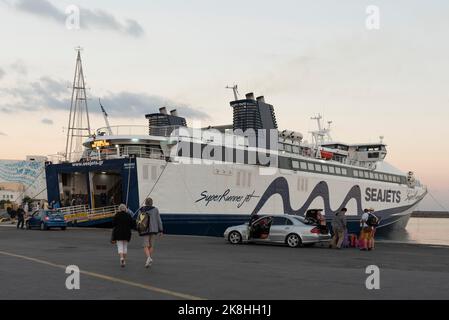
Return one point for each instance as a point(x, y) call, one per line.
point(305, 57)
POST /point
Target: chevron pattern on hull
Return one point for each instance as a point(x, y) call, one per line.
point(280, 186)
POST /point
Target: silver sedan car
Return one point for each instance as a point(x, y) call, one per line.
point(292, 230)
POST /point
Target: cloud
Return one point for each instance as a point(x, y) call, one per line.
point(47, 121)
point(125, 104)
point(3, 134)
point(19, 67)
point(89, 19)
point(48, 93)
point(2, 73)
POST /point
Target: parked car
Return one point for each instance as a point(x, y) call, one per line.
point(46, 219)
point(292, 230)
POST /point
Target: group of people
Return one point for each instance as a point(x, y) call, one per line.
point(368, 224)
point(148, 224)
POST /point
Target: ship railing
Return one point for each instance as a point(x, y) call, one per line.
point(109, 153)
point(124, 152)
point(102, 213)
point(136, 130)
point(83, 213)
point(73, 209)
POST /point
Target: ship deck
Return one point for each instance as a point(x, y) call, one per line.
point(187, 267)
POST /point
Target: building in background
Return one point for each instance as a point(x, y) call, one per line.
point(23, 178)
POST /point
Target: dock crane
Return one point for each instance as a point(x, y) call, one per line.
point(105, 115)
point(235, 89)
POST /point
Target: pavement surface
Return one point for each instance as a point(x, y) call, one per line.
point(33, 265)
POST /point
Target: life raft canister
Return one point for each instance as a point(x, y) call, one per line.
point(327, 155)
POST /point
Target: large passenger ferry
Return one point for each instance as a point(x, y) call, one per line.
point(204, 180)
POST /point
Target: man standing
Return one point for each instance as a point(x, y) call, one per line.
point(20, 217)
point(339, 227)
point(153, 228)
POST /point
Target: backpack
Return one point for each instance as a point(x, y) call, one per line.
point(143, 222)
point(372, 221)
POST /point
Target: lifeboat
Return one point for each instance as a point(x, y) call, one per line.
point(326, 155)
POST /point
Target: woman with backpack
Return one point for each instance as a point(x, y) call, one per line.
point(149, 225)
point(121, 233)
point(368, 225)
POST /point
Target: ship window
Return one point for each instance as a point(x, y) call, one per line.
point(288, 148)
point(344, 171)
point(295, 149)
point(325, 169)
point(376, 176)
point(318, 167)
point(371, 175)
point(337, 170)
point(295, 164)
point(373, 155)
point(331, 169)
point(310, 166)
point(281, 146)
point(356, 173)
point(389, 178)
point(366, 174)
point(303, 165)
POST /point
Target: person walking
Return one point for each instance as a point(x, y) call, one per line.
point(339, 227)
point(150, 217)
point(121, 232)
point(20, 218)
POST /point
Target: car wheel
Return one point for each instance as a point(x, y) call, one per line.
point(235, 237)
point(43, 227)
point(293, 240)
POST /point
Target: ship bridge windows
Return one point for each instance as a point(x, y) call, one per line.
point(371, 148)
point(337, 146)
point(373, 155)
point(325, 168)
point(318, 167)
point(332, 169)
point(338, 170)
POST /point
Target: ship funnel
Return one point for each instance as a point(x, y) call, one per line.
point(163, 110)
point(174, 112)
point(261, 99)
point(250, 96)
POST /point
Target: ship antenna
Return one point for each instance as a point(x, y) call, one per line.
point(235, 89)
point(78, 112)
point(105, 116)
